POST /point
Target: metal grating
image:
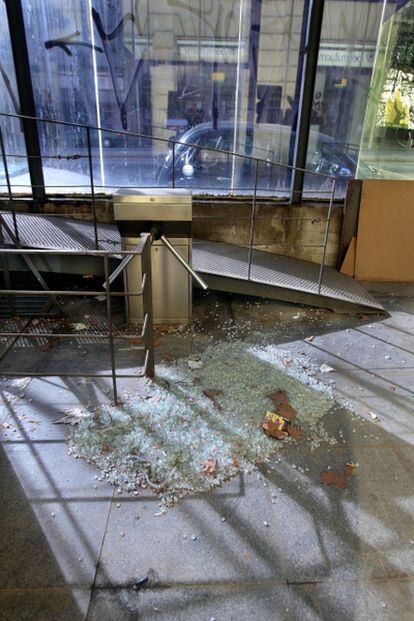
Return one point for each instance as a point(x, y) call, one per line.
point(24, 306)
point(219, 259)
point(49, 232)
point(279, 271)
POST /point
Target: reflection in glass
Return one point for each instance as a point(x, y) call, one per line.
point(345, 63)
point(388, 137)
point(209, 73)
point(11, 128)
point(215, 75)
point(58, 36)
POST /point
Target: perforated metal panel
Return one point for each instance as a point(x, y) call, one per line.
point(39, 231)
point(225, 260)
point(279, 271)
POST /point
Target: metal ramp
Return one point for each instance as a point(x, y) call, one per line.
point(54, 232)
point(224, 266)
point(49, 232)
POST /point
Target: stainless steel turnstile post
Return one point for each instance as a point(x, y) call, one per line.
point(167, 215)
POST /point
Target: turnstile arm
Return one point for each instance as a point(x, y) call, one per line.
point(173, 251)
point(184, 263)
point(123, 264)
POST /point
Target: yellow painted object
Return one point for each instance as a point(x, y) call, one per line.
point(218, 76)
point(397, 110)
point(276, 419)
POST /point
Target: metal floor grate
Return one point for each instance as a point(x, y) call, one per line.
point(24, 306)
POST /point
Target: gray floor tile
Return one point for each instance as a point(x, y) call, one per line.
point(380, 600)
point(401, 378)
point(381, 472)
point(44, 604)
point(55, 521)
point(394, 331)
point(26, 559)
point(239, 547)
point(363, 348)
point(330, 533)
point(233, 602)
point(395, 413)
point(46, 472)
point(53, 394)
point(75, 533)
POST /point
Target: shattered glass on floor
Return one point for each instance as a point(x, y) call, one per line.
point(199, 422)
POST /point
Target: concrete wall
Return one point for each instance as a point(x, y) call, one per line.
point(76, 208)
point(292, 230)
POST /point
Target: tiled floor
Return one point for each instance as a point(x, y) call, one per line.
point(73, 548)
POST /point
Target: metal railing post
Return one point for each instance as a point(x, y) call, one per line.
point(173, 165)
point(147, 307)
point(110, 326)
point(9, 190)
point(145, 335)
point(252, 221)
point(6, 273)
point(95, 224)
point(23, 75)
point(325, 240)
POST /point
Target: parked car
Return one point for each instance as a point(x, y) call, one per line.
point(202, 159)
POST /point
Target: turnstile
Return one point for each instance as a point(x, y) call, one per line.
point(167, 215)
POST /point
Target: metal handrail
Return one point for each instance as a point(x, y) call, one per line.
point(131, 134)
point(175, 144)
point(146, 334)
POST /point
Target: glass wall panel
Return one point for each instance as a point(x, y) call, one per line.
point(199, 50)
point(11, 128)
point(345, 62)
point(221, 77)
point(215, 75)
point(388, 136)
point(269, 102)
point(58, 40)
point(167, 67)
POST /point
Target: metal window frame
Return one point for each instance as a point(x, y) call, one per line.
point(26, 96)
point(310, 67)
point(254, 47)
